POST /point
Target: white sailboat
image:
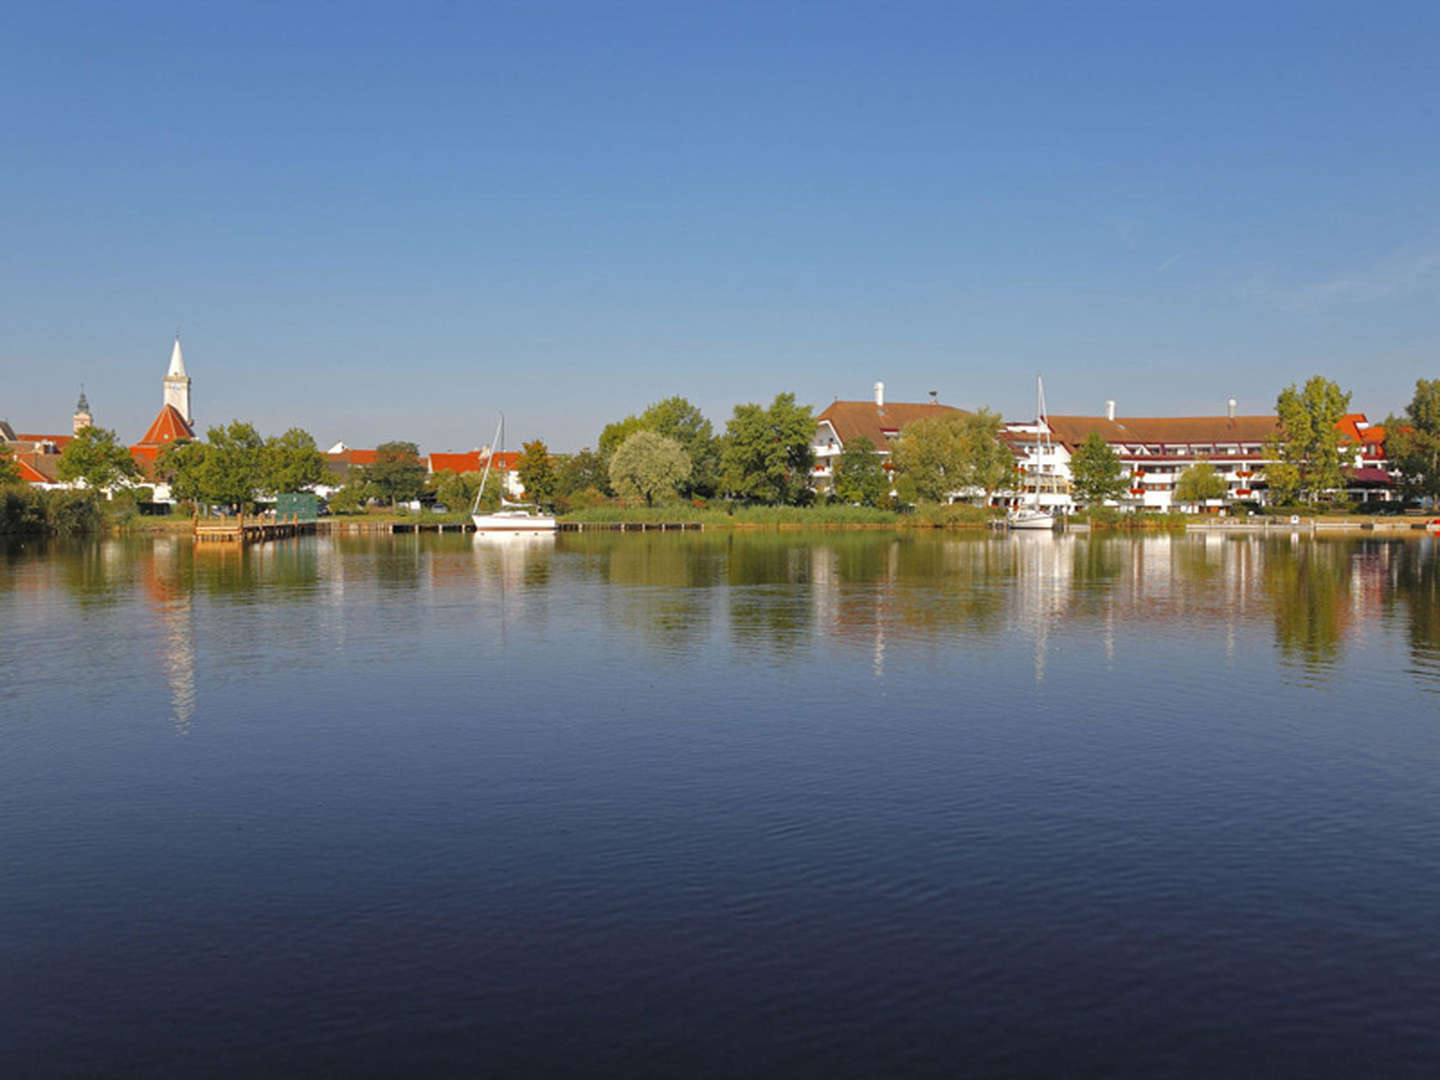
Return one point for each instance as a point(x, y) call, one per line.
point(512, 516)
point(1036, 516)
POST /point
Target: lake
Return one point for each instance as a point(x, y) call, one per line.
point(721, 804)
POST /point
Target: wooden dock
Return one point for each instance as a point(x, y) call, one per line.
point(249, 530)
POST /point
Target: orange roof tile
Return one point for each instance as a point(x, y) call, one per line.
point(864, 419)
point(1071, 430)
point(58, 440)
point(167, 426)
point(458, 463)
point(29, 473)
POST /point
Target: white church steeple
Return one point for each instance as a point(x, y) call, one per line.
point(177, 384)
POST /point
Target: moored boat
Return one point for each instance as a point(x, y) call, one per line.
point(512, 516)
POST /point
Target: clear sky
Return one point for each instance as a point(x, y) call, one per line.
point(392, 220)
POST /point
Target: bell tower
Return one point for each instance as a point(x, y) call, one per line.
point(177, 384)
point(82, 418)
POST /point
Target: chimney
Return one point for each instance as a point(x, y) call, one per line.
point(880, 395)
point(1110, 411)
point(1233, 404)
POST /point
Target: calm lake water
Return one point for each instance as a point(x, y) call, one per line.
point(848, 804)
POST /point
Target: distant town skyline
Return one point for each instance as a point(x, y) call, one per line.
point(380, 223)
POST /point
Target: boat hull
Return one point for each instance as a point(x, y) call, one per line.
point(513, 522)
point(1042, 522)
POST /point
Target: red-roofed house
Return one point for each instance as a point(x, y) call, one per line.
point(879, 421)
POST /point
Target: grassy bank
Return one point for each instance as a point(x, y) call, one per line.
point(731, 516)
point(1110, 518)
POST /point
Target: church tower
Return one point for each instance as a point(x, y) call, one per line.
point(82, 419)
point(177, 384)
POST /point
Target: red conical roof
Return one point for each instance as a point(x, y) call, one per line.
point(168, 426)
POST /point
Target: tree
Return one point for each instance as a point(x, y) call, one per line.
point(581, 472)
point(455, 490)
point(9, 471)
point(616, 433)
point(1413, 444)
point(1096, 471)
point(96, 457)
point(1199, 483)
point(1308, 440)
point(985, 461)
point(859, 475)
point(231, 470)
point(648, 464)
point(292, 462)
point(181, 465)
point(767, 453)
point(930, 454)
point(397, 474)
point(537, 472)
point(677, 419)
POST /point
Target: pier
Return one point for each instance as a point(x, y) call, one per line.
point(249, 530)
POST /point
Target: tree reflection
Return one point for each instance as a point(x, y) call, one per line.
point(1308, 586)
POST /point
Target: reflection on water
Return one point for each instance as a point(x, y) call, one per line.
point(780, 591)
point(849, 803)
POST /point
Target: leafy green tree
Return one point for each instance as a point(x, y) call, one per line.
point(1096, 471)
point(675, 418)
point(455, 490)
point(1413, 444)
point(181, 464)
point(1199, 483)
point(860, 476)
point(292, 462)
point(536, 471)
point(397, 474)
point(985, 461)
point(767, 453)
point(616, 433)
point(648, 465)
point(930, 454)
point(96, 457)
point(232, 469)
point(9, 471)
point(1308, 440)
point(581, 472)
point(349, 499)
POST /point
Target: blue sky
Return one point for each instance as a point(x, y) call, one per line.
point(393, 220)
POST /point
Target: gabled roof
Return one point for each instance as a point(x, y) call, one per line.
point(167, 426)
point(1174, 430)
point(864, 419)
point(36, 468)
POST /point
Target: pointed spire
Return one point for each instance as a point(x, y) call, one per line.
point(82, 406)
point(177, 361)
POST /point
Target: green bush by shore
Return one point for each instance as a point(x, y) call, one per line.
point(27, 511)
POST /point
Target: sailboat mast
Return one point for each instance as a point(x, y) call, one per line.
point(475, 506)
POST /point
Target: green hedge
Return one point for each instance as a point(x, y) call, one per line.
point(27, 511)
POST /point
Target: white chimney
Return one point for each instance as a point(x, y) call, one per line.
point(1110, 411)
point(879, 395)
point(1233, 405)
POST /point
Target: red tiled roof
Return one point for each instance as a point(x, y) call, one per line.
point(1071, 430)
point(864, 419)
point(167, 426)
point(30, 468)
point(1369, 475)
point(457, 463)
point(58, 440)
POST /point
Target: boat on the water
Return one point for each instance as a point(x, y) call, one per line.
point(1036, 516)
point(512, 516)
